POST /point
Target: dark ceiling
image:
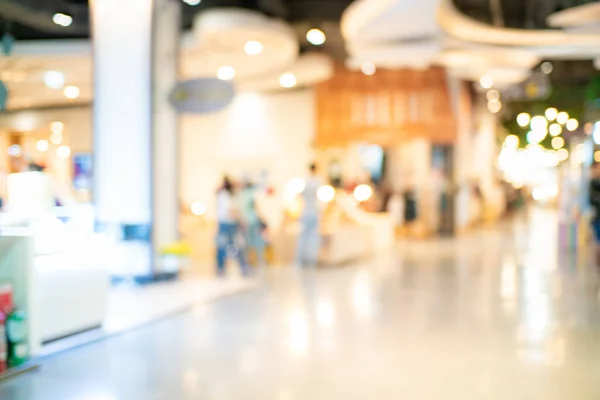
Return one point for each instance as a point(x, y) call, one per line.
point(525, 14)
point(32, 19)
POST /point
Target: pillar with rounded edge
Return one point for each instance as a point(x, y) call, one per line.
point(135, 49)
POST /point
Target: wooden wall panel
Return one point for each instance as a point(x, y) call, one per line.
point(386, 108)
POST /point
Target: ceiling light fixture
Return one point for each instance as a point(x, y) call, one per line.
point(287, 80)
point(71, 92)
point(54, 79)
point(368, 68)
point(316, 37)
point(253, 47)
point(225, 73)
point(192, 2)
point(62, 19)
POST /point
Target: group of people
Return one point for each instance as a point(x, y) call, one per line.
point(241, 228)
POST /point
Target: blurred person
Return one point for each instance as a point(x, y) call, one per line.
point(252, 223)
point(229, 229)
point(307, 250)
point(595, 204)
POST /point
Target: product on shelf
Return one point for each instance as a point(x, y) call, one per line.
point(16, 333)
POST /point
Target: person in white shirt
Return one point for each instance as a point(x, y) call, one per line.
point(229, 228)
point(307, 250)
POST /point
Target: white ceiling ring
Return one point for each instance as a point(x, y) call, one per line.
point(221, 35)
point(376, 21)
point(585, 14)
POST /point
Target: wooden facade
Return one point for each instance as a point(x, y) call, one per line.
point(386, 108)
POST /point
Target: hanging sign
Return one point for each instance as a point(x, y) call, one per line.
point(201, 96)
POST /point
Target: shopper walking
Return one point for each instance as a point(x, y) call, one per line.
point(307, 250)
point(252, 225)
point(229, 230)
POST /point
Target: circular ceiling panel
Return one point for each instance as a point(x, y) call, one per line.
point(222, 38)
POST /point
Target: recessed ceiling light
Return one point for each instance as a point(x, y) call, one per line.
point(71, 92)
point(225, 73)
point(54, 79)
point(287, 80)
point(253, 47)
point(316, 36)
point(368, 68)
point(192, 2)
point(62, 19)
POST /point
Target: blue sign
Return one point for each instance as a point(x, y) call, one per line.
point(201, 96)
point(3, 96)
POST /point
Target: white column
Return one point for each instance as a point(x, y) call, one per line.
point(135, 131)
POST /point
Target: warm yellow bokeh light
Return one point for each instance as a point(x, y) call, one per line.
point(558, 143)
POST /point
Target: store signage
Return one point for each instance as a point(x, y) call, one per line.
point(201, 96)
point(3, 96)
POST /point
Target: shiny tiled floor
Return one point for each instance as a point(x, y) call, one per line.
point(496, 315)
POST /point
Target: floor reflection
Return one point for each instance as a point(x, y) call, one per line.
point(497, 314)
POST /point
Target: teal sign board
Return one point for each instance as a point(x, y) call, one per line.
point(3, 96)
point(201, 96)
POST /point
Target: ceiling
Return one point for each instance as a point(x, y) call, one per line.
point(523, 14)
point(398, 33)
point(31, 19)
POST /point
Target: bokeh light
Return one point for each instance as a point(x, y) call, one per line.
point(326, 193)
